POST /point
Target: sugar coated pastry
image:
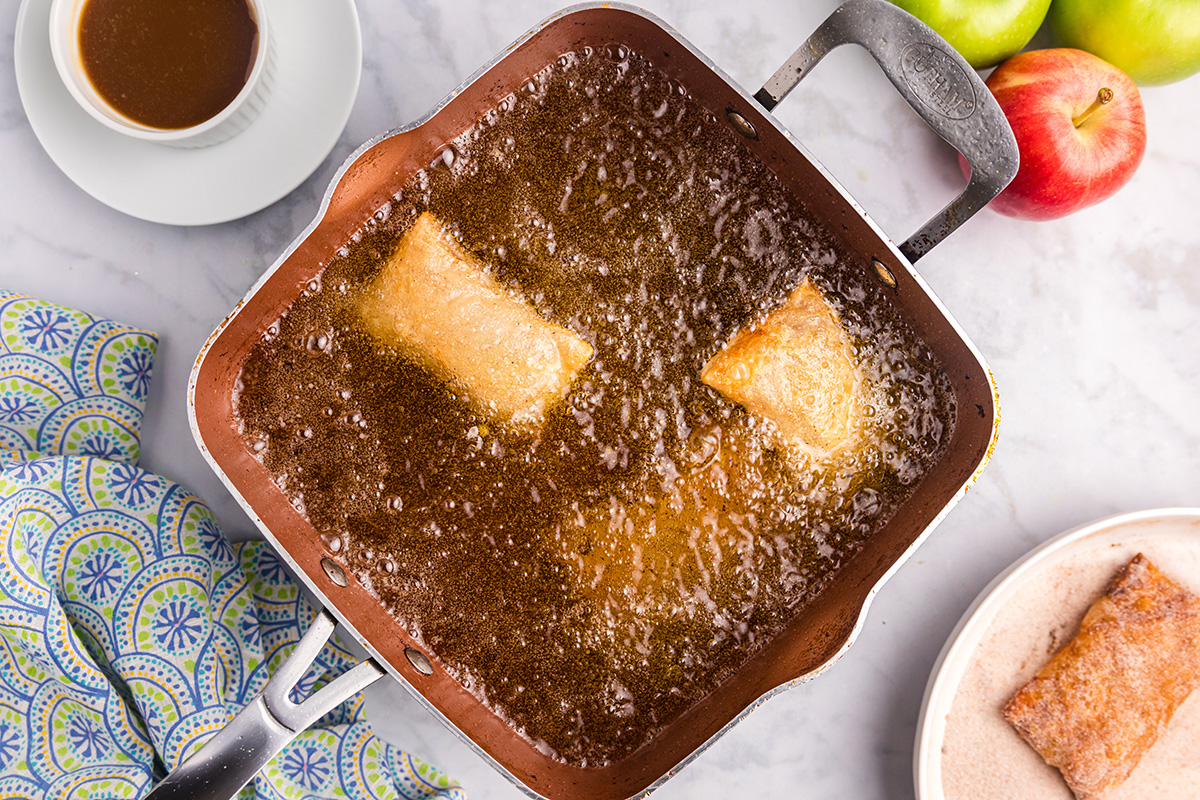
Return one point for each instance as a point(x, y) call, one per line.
point(440, 305)
point(797, 369)
point(1103, 700)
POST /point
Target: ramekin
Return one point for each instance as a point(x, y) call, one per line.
point(230, 121)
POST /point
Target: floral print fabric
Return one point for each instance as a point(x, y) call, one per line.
point(70, 383)
point(131, 629)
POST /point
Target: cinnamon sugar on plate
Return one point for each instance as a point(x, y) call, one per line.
point(1103, 700)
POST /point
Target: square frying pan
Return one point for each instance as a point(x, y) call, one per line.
point(945, 92)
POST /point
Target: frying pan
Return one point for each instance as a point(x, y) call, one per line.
point(944, 91)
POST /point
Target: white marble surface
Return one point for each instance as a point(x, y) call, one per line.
point(1089, 324)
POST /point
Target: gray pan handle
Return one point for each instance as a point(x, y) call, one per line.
point(940, 86)
point(228, 761)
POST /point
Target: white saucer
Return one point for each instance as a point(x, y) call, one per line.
point(1022, 606)
point(319, 61)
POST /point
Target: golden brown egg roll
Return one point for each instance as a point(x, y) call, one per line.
point(797, 369)
point(440, 305)
point(1103, 700)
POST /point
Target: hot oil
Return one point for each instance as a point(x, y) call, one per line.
point(594, 578)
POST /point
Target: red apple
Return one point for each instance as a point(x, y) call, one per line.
point(1079, 125)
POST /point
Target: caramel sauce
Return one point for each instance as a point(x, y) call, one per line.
point(594, 578)
point(168, 63)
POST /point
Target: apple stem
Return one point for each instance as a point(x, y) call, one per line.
point(1103, 97)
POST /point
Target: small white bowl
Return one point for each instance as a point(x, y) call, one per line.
point(230, 121)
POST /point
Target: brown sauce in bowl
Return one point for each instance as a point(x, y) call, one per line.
point(168, 64)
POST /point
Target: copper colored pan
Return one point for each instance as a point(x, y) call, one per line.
point(947, 94)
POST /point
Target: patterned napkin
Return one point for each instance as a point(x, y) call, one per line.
point(131, 629)
point(70, 384)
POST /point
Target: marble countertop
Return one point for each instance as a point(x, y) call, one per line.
point(1089, 324)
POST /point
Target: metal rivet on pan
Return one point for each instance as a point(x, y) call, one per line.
point(884, 274)
point(741, 124)
point(334, 571)
point(419, 660)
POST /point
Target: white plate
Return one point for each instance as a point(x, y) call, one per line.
point(1015, 625)
point(319, 60)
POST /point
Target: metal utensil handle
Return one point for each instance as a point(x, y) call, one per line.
point(227, 762)
point(940, 86)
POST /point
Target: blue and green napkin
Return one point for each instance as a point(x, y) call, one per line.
point(131, 629)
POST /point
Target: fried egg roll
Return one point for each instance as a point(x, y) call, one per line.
point(796, 368)
point(440, 305)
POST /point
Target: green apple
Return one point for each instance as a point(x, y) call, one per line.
point(985, 32)
point(1155, 41)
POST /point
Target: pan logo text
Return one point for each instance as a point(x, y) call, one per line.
point(938, 82)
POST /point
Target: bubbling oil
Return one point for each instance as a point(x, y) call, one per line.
point(592, 579)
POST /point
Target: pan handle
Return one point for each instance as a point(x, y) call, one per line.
point(940, 86)
point(227, 762)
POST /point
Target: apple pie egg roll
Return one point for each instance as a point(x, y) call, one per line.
point(797, 369)
point(440, 305)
